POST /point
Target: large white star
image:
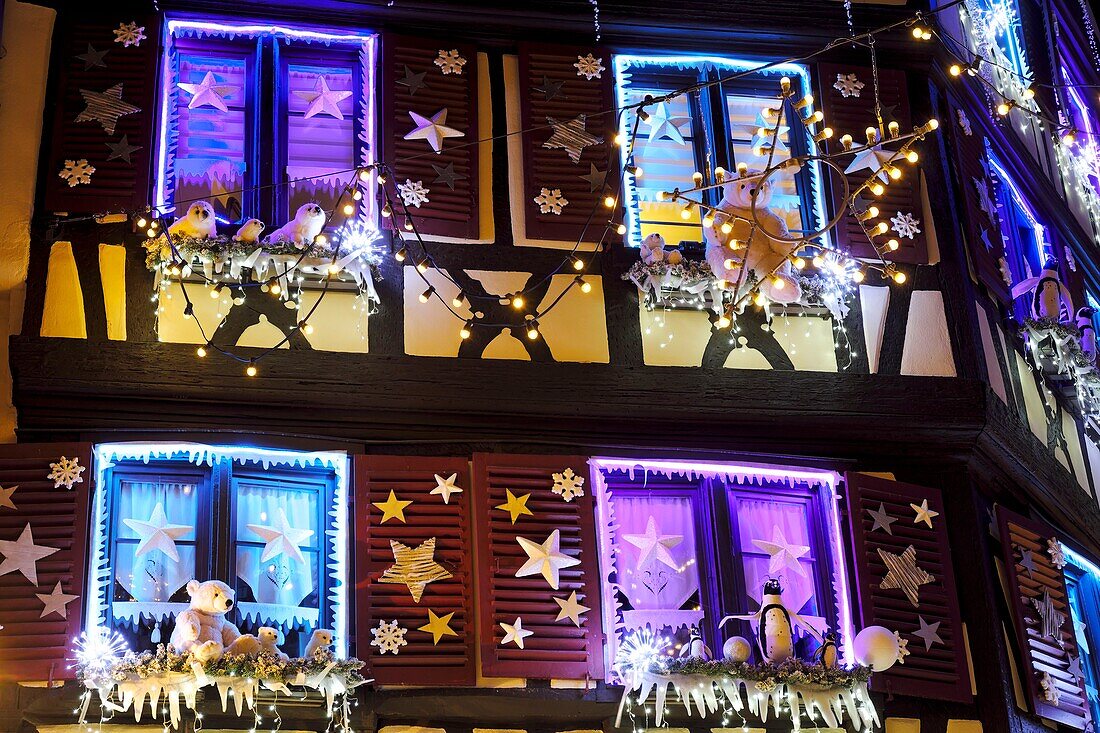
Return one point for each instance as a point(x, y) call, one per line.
point(433, 129)
point(515, 633)
point(445, 487)
point(323, 100)
point(872, 159)
point(208, 93)
point(157, 533)
point(782, 553)
point(55, 602)
point(282, 539)
point(653, 543)
point(662, 126)
point(22, 555)
point(545, 558)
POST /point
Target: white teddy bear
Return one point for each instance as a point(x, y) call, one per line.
point(319, 641)
point(768, 257)
point(653, 250)
point(302, 229)
point(202, 629)
point(270, 638)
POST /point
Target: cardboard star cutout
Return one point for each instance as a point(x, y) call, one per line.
point(1027, 562)
point(903, 574)
point(516, 506)
point(5, 497)
point(433, 129)
point(545, 558)
point(447, 175)
point(929, 633)
point(515, 633)
point(414, 568)
point(1050, 617)
point(392, 508)
point(653, 544)
point(571, 137)
point(549, 89)
point(882, 519)
point(782, 554)
point(323, 100)
point(924, 514)
point(122, 150)
point(93, 58)
point(157, 534)
point(438, 626)
point(570, 608)
point(595, 177)
point(55, 602)
point(446, 486)
point(208, 93)
point(281, 538)
point(414, 82)
point(23, 555)
point(105, 107)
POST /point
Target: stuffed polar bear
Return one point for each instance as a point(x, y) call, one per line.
point(270, 638)
point(766, 254)
point(653, 251)
point(198, 223)
point(202, 629)
point(302, 229)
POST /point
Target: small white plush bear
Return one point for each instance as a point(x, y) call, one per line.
point(653, 250)
point(270, 638)
point(303, 229)
point(245, 645)
point(202, 629)
point(250, 231)
point(319, 641)
point(767, 256)
point(198, 223)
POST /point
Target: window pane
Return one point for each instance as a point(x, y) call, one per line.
point(154, 575)
point(320, 134)
point(746, 118)
point(210, 146)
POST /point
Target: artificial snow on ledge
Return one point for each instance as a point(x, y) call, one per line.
point(703, 694)
point(741, 473)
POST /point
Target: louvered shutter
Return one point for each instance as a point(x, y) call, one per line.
point(115, 184)
point(982, 231)
point(939, 671)
point(1042, 654)
point(552, 168)
point(33, 647)
point(557, 649)
point(1072, 275)
point(448, 213)
point(852, 116)
point(421, 661)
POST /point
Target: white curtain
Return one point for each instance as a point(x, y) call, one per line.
point(281, 580)
point(155, 577)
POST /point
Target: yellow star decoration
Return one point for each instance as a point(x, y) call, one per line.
point(5, 497)
point(438, 626)
point(516, 505)
point(392, 508)
point(414, 568)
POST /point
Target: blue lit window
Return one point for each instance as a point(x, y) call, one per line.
point(1026, 246)
point(238, 125)
point(701, 131)
point(1083, 585)
point(1082, 121)
point(995, 24)
point(218, 511)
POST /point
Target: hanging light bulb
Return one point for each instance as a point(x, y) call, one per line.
point(422, 266)
point(893, 245)
point(459, 299)
point(858, 276)
point(387, 210)
point(201, 351)
point(466, 330)
point(877, 188)
point(818, 261)
point(333, 269)
point(217, 291)
point(408, 224)
point(899, 277)
point(364, 175)
point(720, 174)
point(533, 330)
point(609, 201)
point(759, 299)
point(578, 264)
point(804, 102)
point(1029, 93)
point(1005, 107)
point(320, 240)
point(870, 213)
point(150, 232)
point(708, 220)
point(357, 195)
point(306, 327)
point(1069, 137)
point(584, 285)
point(401, 254)
point(799, 263)
point(825, 134)
point(881, 228)
point(427, 294)
point(696, 178)
point(723, 321)
point(726, 227)
point(141, 222)
point(846, 142)
point(349, 209)
point(153, 223)
point(685, 213)
point(518, 301)
point(621, 229)
point(911, 156)
point(250, 370)
point(893, 128)
point(274, 287)
point(955, 70)
point(778, 283)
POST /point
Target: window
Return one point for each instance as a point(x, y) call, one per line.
point(259, 120)
point(713, 128)
point(667, 530)
point(1083, 585)
point(996, 35)
point(268, 523)
point(1026, 246)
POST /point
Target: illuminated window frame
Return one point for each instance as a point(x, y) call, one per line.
point(1042, 246)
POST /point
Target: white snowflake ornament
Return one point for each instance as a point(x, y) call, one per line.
point(848, 85)
point(450, 62)
point(77, 172)
point(129, 34)
point(964, 122)
point(389, 637)
point(413, 193)
point(1006, 273)
point(568, 485)
point(1057, 555)
point(551, 201)
point(906, 225)
point(66, 472)
point(1050, 689)
point(1071, 261)
point(590, 67)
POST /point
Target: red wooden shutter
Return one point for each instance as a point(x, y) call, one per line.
point(982, 230)
point(451, 661)
point(939, 671)
point(1073, 276)
point(115, 184)
point(448, 213)
point(557, 649)
point(852, 116)
point(33, 647)
point(552, 167)
point(1042, 655)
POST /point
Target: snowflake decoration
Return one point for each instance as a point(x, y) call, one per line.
point(903, 648)
point(964, 122)
point(1006, 274)
point(389, 637)
point(1050, 689)
point(1071, 262)
point(551, 201)
point(590, 67)
point(906, 225)
point(1057, 556)
point(130, 34)
point(568, 484)
point(450, 62)
point(413, 193)
point(77, 172)
point(848, 85)
point(66, 472)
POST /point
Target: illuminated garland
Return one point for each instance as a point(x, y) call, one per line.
point(791, 672)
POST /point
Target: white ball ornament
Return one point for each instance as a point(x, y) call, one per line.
point(876, 647)
point(736, 649)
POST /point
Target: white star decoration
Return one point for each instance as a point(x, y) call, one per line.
point(157, 534)
point(929, 633)
point(924, 514)
point(872, 159)
point(446, 486)
point(433, 129)
point(782, 553)
point(208, 92)
point(661, 126)
point(653, 544)
point(545, 559)
point(281, 539)
point(23, 555)
point(323, 100)
point(570, 609)
point(515, 633)
point(55, 602)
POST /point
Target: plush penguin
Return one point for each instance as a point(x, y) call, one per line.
point(1048, 294)
point(775, 625)
point(695, 648)
point(1088, 331)
point(826, 654)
